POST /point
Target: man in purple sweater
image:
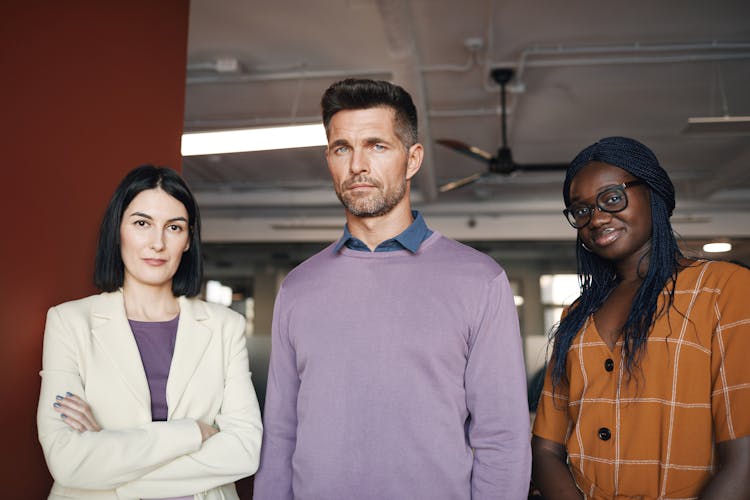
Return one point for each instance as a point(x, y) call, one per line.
point(396, 365)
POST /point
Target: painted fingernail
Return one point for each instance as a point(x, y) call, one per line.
point(56, 405)
point(63, 415)
point(59, 398)
point(68, 394)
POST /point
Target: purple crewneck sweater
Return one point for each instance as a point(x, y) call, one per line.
point(396, 376)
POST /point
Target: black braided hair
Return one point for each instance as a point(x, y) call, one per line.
point(597, 276)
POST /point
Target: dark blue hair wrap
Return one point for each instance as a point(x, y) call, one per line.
point(631, 156)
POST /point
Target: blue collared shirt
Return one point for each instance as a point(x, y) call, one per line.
point(410, 239)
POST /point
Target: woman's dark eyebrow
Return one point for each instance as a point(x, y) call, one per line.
point(141, 214)
point(146, 216)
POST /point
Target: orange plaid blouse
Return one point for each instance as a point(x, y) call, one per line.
point(652, 436)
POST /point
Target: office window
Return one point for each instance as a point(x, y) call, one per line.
point(515, 287)
point(558, 291)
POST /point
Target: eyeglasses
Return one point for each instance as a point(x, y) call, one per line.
point(611, 200)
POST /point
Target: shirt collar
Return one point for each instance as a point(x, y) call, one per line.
point(410, 238)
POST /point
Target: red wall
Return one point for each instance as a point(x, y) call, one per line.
point(89, 90)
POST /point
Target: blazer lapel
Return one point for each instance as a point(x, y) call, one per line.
point(193, 337)
point(111, 329)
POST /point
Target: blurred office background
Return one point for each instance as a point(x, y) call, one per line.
point(92, 89)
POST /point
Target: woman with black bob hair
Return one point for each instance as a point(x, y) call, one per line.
point(146, 391)
point(647, 392)
point(109, 269)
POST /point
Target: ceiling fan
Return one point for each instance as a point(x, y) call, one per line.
point(502, 163)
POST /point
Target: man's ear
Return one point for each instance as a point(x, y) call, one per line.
point(414, 160)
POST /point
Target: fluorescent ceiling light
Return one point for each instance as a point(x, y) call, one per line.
point(717, 247)
point(731, 125)
point(253, 139)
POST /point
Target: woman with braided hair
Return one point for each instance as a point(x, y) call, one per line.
point(647, 393)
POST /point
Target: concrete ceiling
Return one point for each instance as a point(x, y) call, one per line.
point(585, 69)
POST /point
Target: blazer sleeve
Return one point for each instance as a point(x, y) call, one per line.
point(232, 453)
point(105, 459)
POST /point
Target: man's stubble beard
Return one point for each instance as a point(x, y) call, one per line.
point(373, 205)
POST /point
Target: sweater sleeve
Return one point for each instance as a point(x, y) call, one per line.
point(227, 456)
point(105, 459)
point(274, 478)
point(496, 398)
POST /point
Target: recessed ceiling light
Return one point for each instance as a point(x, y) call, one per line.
point(717, 247)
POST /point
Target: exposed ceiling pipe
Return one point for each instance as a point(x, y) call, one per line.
point(695, 52)
point(553, 58)
point(333, 74)
point(680, 52)
point(453, 68)
point(689, 52)
point(212, 71)
point(473, 45)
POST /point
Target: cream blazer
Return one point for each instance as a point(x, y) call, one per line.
point(90, 351)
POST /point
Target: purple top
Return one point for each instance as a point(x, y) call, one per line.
point(156, 341)
point(396, 375)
